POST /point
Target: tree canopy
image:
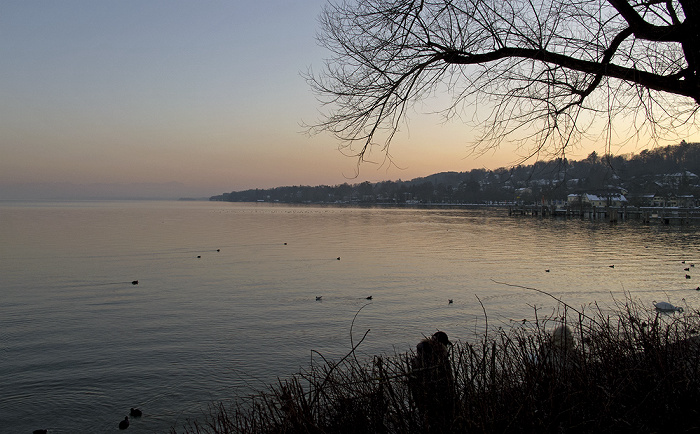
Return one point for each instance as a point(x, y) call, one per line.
point(538, 73)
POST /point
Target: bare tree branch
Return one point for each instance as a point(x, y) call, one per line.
point(545, 70)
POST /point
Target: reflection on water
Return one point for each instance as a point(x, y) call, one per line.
point(226, 299)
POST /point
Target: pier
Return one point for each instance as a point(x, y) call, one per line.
point(649, 215)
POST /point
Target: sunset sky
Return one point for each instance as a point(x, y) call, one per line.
point(206, 94)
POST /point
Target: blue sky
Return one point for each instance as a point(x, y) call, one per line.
point(206, 94)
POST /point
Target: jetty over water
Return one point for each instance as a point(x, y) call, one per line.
point(649, 215)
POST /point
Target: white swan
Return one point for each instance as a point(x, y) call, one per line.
point(663, 306)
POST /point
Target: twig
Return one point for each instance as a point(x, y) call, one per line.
point(352, 344)
point(486, 317)
point(335, 365)
point(568, 306)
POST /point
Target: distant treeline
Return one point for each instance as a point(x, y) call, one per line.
point(665, 170)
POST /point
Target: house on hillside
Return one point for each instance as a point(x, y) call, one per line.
point(520, 192)
point(669, 200)
point(681, 178)
point(587, 199)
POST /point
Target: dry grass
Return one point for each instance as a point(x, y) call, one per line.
point(632, 371)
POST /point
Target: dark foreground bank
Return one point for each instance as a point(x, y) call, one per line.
point(637, 370)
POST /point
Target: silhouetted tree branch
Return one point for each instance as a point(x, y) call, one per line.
point(544, 71)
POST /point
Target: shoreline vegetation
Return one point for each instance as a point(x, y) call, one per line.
point(632, 369)
point(666, 172)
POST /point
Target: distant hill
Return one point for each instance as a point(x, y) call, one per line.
point(671, 169)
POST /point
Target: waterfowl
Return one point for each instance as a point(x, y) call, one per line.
point(134, 282)
point(135, 412)
point(319, 297)
point(125, 423)
point(686, 269)
point(547, 270)
point(687, 276)
point(449, 301)
point(611, 266)
point(369, 298)
point(40, 431)
point(663, 306)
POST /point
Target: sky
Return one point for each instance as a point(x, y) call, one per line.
point(173, 98)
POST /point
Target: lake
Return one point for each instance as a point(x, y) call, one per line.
point(226, 295)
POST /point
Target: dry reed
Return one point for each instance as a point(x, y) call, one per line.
point(633, 370)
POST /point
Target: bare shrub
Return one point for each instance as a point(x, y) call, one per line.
point(635, 370)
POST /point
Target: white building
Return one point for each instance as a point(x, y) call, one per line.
point(614, 200)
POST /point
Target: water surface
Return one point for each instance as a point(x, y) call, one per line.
point(226, 299)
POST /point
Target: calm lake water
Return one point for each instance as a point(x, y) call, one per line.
point(226, 299)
